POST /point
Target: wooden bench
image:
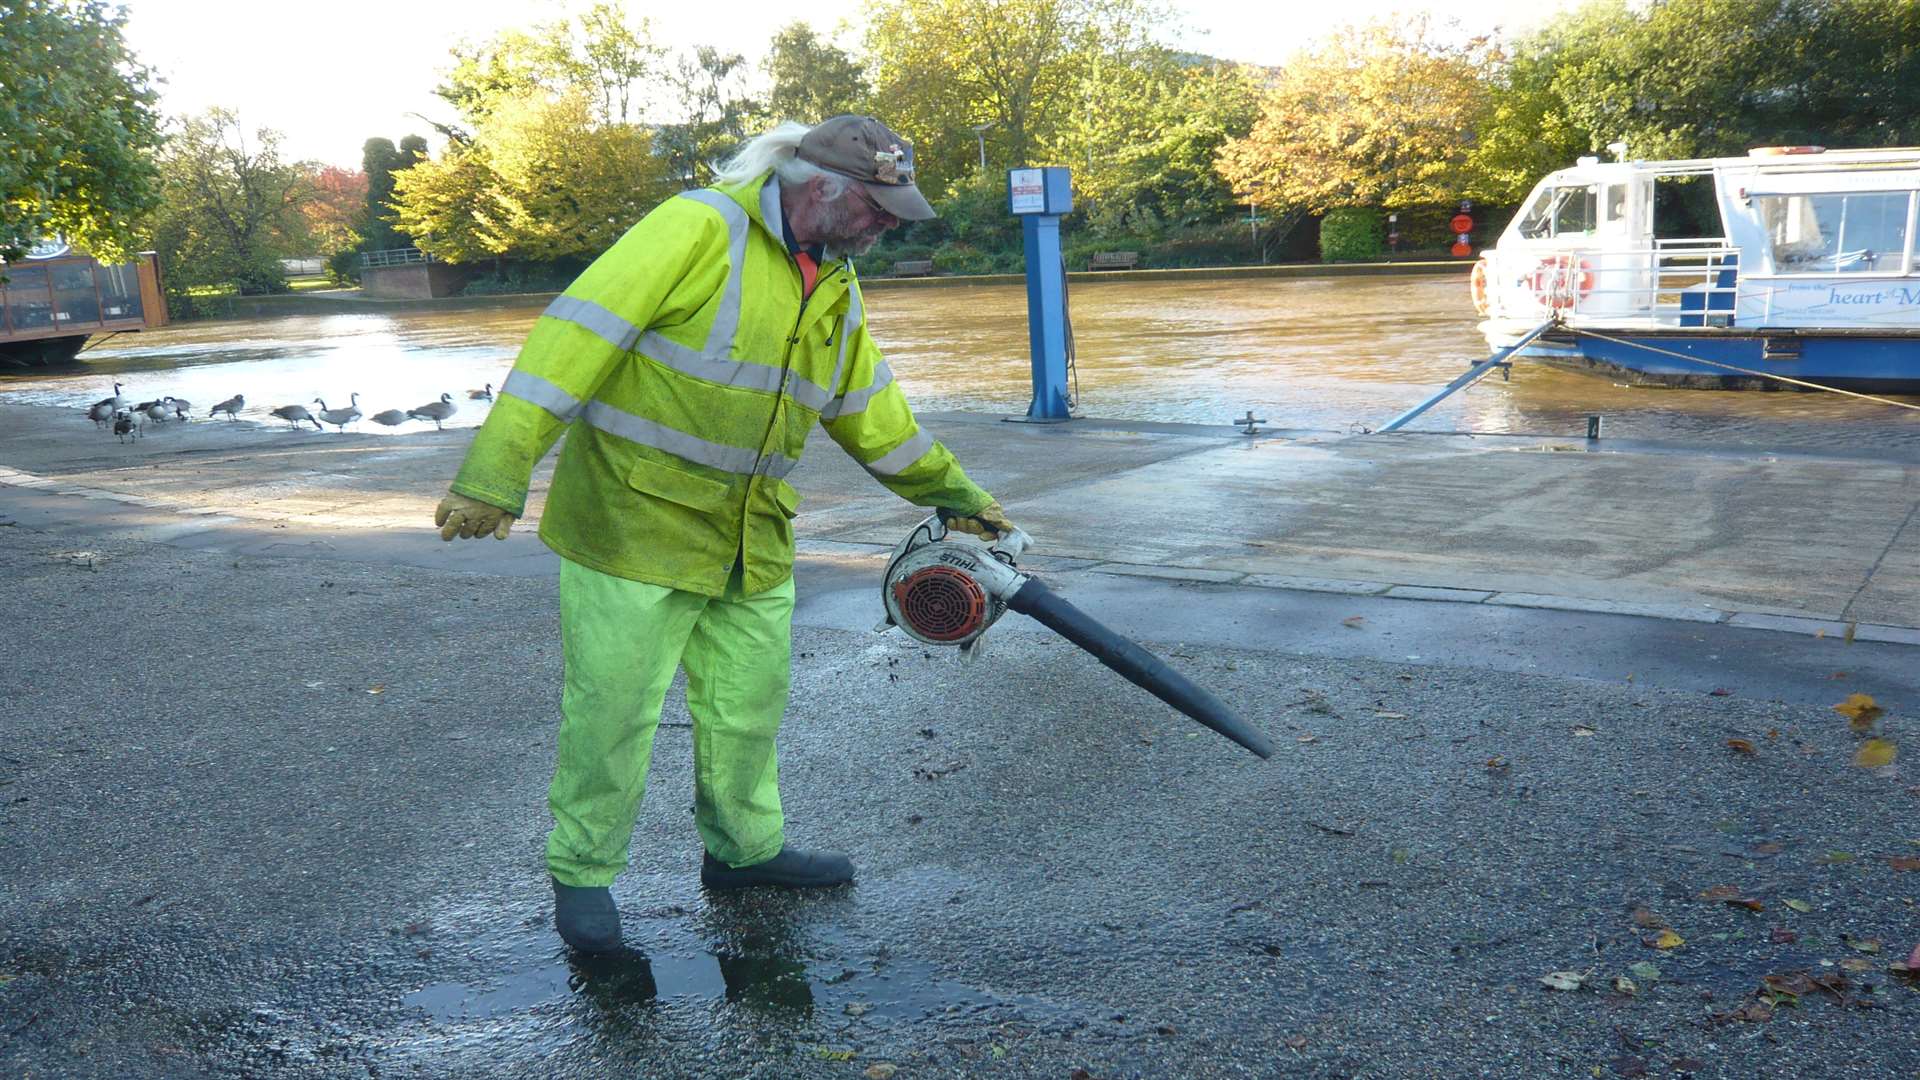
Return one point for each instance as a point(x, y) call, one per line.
point(913, 268)
point(1113, 260)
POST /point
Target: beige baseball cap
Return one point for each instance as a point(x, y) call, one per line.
point(864, 149)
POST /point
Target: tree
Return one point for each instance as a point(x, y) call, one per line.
point(944, 66)
point(813, 79)
point(230, 209)
point(1377, 115)
point(717, 110)
point(336, 209)
point(539, 180)
point(381, 161)
point(78, 128)
point(604, 53)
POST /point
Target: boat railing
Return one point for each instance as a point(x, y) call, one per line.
point(1689, 282)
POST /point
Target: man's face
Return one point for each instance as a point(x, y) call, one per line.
point(852, 223)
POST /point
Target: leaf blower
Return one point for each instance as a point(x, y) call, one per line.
point(944, 588)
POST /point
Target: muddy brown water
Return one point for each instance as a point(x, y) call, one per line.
point(1338, 354)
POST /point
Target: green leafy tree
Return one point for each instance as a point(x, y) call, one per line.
point(1700, 78)
point(230, 208)
point(1376, 115)
point(78, 128)
point(716, 114)
point(381, 162)
point(941, 67)
point(540, 180)
point(813, 79)
point(604, 53)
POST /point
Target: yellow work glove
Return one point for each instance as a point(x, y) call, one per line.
point(988, 523)
point(460, 516)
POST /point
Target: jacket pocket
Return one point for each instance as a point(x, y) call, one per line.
point(677, 485)
point(787, 498)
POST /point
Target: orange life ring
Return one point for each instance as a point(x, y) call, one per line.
point(1477, 283)
point(1560, 281)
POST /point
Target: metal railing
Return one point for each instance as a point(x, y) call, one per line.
point(1673, 283)
point(407, 256)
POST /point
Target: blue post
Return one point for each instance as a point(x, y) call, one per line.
point(1039, 197)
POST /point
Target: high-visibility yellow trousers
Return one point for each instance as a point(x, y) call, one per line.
point(622, 640)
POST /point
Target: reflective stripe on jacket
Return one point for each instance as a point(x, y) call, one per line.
point(689, 372)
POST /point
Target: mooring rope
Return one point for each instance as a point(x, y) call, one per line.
point(1741, 370)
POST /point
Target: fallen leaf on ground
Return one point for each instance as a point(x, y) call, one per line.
point(1308, 738)
point(1645, 971)
point(1847, 637)
point(1582, 731)
point(1783, 936)
point(1645, 919)
point(1719, 691)
point(1496, 762)
point(1624, 985)
point(1800, 906)
point(1835, 858)
point(1747, 902)
point(1741, 746)
point(833, 1055)
point(1353, 622)
point(858, 1008)
point(1721, 892)
point(1854, 963)
point(881, 1070)
point(1628, 1066)
point(1753, 1012)
point(1875, 753)
point(1668, 940)
point(1865, 945)
point(1791, 984)
point(1860, 710)
point(1080, 1074)
point(376, 689)
point(1296, 1042)
point(1563, 980)
point(1903, 862)
point(1389, 715)
point(1768, 848)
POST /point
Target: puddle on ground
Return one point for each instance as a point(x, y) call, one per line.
point(667, 960)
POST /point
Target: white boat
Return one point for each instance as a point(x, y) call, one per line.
point(1790, 265)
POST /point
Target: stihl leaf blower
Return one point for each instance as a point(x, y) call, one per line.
point(943, 588)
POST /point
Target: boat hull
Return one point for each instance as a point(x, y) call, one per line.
point(1722, 359)
point(41, 352)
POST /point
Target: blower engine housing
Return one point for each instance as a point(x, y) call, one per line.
point(943, 590)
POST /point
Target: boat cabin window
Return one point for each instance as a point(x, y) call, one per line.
point(1858, 232)
point(1562, 211)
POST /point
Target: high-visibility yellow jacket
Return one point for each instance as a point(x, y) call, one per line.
point(689, 373)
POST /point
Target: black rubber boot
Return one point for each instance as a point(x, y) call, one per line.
point(792, 869)
point(586, 918)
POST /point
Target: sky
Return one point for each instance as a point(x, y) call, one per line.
point(330, 76)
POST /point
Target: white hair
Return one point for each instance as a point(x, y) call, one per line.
point(775, 150)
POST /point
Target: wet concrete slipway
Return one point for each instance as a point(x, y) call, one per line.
point(273, 764)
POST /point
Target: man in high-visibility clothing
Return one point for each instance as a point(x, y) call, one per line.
point(688, 365)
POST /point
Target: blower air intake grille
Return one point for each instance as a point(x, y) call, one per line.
point(940, 603)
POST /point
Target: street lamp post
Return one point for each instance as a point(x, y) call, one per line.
point(980, 133)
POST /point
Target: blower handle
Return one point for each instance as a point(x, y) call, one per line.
point(1135, 664)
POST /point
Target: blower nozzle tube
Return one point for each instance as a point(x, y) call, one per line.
point(1137, 665)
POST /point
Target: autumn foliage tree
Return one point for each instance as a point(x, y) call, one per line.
point(1377, 115)
point(335, 207)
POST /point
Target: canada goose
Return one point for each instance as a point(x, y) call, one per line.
point(157, 411)
point(293, 414)
point(147, 405)
point(116, 402)
point(123, 425)
point(435, 411)
point(481, 395)
point(100, 412)
point(182, 408)
point(390, 417)
point(231, 407)
point(340, 418)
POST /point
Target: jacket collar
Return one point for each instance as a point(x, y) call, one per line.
point(760, 198)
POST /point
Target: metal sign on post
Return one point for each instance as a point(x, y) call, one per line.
point(1038, 197)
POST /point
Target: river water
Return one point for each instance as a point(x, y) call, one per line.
point(1340, 354)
